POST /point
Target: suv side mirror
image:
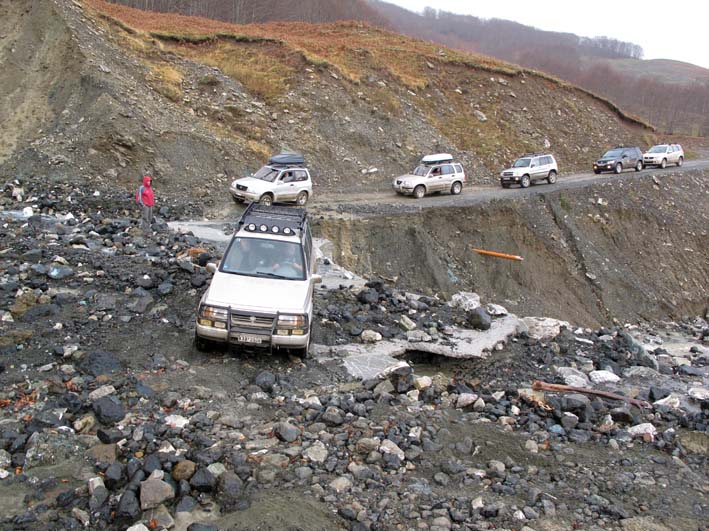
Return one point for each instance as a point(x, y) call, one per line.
point(212, 267)
point(316, 279)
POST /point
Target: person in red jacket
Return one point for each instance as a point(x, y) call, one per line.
point(146, 199)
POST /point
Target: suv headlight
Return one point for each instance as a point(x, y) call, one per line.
point(212, 316)
point(292, 324)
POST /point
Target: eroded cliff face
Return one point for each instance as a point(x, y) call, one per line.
point(632, 249)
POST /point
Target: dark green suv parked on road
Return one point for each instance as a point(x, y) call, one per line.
point(618, 159)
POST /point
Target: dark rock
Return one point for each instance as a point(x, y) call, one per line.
point(109, 436)
point(113, 476)
point(479, 319)
point(198, 280)
point(165, 288)
point(265, 380)
point(657, 393)
point(368, 296)
point(287, 432)
point(98, 363)
point(59, 272)
point(186, 504)
point(203, 481)
point(229, 491)
point(333, 416)
point(109, 410)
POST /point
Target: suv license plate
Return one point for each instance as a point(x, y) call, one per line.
point(249, 338)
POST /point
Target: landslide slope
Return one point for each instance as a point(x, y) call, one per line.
point(101, 91)
point(632, 250)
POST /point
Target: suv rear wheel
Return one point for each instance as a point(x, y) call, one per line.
point(302, 198)
point(639, 166)
point(266, 199)
point(551, 178)
point(618, 168)
point(680, 161)
point(419, 191)
point(525, 182)
point(456, 188)
point(663, 164)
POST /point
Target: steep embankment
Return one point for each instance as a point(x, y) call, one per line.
point(631, 249)
point(119, 92)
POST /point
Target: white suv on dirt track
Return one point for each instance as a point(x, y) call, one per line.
point(435, 173)
point(261, 294)
point(530, 168)
point(664, 154)
point(284, 179)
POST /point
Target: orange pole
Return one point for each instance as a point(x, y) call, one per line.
point(499, 255)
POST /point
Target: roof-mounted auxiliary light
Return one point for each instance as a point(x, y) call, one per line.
point(287, 231)
point(275, 229)
point(263, 228)
point(251, 227)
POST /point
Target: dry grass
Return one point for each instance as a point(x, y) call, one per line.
point(354, 50)
point(166, 80)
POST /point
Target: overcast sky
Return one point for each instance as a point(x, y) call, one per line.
point(666, 30)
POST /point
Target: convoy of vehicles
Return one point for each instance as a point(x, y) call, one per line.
point(261, 293)
point(530, 168)
point(435, 173)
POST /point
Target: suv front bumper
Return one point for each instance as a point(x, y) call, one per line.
point(243, 195)
point(266, 340)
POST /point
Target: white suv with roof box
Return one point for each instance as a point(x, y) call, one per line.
point(261, 294)
point(435, 173)
point(530, 168)
point(664, 154)
point(284, 179)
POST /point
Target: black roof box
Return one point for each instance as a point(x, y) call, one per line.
point(287, 159)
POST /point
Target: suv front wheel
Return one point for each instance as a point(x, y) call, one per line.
point(663, 164)
point(551, 179)
point(419, 191)
point(618, 168)
point(525, 182)
point(680, 161)
point(266, 200)
point(456, 188)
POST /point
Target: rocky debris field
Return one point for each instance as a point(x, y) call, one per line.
point(109, 419)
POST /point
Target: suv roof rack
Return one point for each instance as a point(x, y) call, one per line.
point(273, 216)
point(535, 154)
point(287, 159)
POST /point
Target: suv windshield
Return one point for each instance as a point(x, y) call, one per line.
point(259, 257)
point(266, 174)
point(522, 163)
point(421, 171)
point(658, 149)
point(613, 153)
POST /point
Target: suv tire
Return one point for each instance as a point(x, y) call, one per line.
point(680, 161)
point(202, 345)
point(597, 172)
point(419, 191)
point(302, 198)
point(525, 182)
point(551, 178)
point(456, 188)
point(663, 164)
point(618, 168)
point(639, 166)
point(237, 200)
point(505, 185)
point(266, 199)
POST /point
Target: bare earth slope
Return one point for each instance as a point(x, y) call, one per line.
point(111, 94)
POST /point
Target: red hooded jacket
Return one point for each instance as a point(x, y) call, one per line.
point(144, 195)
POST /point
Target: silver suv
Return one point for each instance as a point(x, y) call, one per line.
point(284, 179)
point(530, 168)
point(664, 154)
point(435, 173)
point(261, 294)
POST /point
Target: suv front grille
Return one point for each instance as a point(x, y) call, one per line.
point(241, 187)
point(251, 321)
point(507, 174)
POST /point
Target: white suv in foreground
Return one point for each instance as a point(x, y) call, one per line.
point(664, 154)
point(530, 168)
point(284, 179)
point(261, 294)
point(435, 173)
